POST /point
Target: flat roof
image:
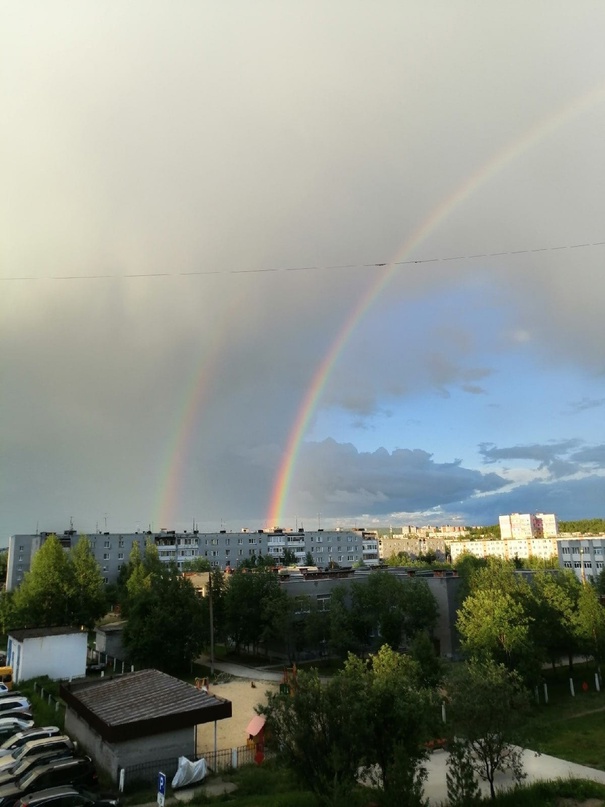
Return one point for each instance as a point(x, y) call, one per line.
point(36, 633)
point(142, 703)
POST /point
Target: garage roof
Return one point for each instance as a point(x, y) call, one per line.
point(142, 703)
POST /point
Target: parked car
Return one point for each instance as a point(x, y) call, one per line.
point(19, 769)
point(35, 747)
point(14, 723)
point(65, 796)
point(75, 771)
point(13, 705)
point(22, 737)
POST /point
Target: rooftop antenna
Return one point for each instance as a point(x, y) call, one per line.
point(105, 522)
point(37, 526)
point(71, 522)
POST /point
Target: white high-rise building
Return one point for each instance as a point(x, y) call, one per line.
point(528, 525)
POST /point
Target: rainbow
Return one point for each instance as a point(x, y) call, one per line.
point(186, 419)
point(310, 401)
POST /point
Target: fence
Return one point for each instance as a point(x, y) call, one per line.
point(48, 696)
point(223, 759)
point(104, 662)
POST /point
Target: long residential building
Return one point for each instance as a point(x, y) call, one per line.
point(506, 548)
point(222, 549)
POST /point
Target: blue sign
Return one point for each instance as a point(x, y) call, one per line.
point(162, 783)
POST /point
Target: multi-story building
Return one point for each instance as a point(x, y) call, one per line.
point(507, 548)
point(584, 556)
point(222, 549)
point(389, 545)
point(528, 525)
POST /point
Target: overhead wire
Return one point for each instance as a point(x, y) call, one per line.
point(312, 268)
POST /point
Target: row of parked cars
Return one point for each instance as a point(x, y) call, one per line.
point(39, 765)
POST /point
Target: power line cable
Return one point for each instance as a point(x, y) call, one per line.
point(377, 265)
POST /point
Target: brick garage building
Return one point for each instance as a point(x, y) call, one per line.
point(141, 722)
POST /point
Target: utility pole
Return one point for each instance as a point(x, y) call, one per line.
point(211, 625)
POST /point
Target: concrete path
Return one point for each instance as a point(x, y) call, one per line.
point(536, 766)
point(241, 671)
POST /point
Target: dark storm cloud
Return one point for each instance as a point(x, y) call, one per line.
point(344, 480)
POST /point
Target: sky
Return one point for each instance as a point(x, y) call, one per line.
point(300, 263)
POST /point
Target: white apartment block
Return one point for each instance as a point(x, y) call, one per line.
point(507, 548)
point(528, 525)
point(222, 549)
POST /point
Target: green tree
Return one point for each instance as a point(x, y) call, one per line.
point(487, 709)
point(316, 729)
point(590, 624)
point(196, 565)
point(165, 627)
point(556, 603)
point(309, 560)
point(396, 724)
point(44, 597)
point(289, 557)
point(247, 604)
point(88, 598)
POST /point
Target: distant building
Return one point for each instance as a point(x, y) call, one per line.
point(413, 546)
point(583, 556)
point(507, 548)
point(528, 525)
point(222, 549)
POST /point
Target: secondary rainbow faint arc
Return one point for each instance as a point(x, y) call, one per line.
point(182, 434)
point(512, 151)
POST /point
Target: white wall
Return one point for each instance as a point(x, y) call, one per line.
point(60, 657)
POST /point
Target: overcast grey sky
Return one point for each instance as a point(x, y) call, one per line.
point(160, 161)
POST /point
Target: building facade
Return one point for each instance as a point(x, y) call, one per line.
point(507, 548)
point(583, 556)
point(528, 525)
point(222, 549)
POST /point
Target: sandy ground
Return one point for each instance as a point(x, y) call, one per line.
point(231, 733)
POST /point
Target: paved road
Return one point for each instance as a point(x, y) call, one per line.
point(242, 671)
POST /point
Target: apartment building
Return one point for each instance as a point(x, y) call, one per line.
point(583, 556)
point(528, 525)
point(507, 548)
point(222, 549)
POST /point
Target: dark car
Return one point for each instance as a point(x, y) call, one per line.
point(34, 748)
point(78, 771)
point(22, 737)
point(19, 769)
point(65, 797)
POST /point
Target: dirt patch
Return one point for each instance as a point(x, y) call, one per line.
point(576, 803)
point(231, 733)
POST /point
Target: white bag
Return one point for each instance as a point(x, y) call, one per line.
point(189, 772)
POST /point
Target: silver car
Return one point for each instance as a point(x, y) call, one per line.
point(35, 747)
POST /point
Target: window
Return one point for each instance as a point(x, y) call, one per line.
point(240, 540)
point(107, 544)
point(226, 542)
point(106, 556)
point(227, 552)
point(121, 543)
point(21, 548)
point(119, 566)
point(567, 564)
point(120, 556)
point(323, 602)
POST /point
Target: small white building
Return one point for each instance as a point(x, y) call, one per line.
point(59, 653)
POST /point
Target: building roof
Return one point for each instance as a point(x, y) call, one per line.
point(112, 627)
point(37, 633)
point(141, 703)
